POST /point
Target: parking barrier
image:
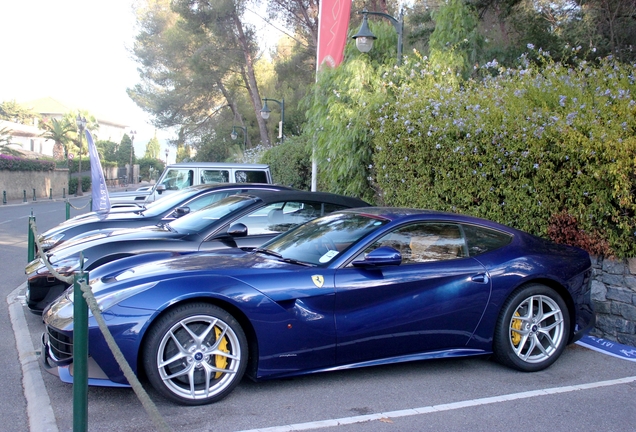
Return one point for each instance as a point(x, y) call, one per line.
point(24, 193)
point(34, 198)
point(31, 239)
point(50, 193)
point(80, 352)
point(82, 294)
point(4, 197)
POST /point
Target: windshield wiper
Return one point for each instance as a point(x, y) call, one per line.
point(268, 252)
point(280, 257)
point(293, 261)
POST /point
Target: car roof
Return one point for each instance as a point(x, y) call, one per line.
point(217, 165)
point(398, 213)
point(266, 186)
point(290, 195)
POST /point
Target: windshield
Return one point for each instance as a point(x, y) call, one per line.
point(201, 219)
point(168, 202)
point(321, 240)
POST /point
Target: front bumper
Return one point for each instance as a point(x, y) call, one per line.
point(63, 367)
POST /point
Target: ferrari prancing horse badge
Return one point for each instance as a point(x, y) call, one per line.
point(318, 280)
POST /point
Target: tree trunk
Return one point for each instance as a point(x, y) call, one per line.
point(250, 80)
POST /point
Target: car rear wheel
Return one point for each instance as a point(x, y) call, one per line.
point(532, 330)
point(196, 354)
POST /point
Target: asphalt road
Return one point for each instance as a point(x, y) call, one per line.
point(584, 390)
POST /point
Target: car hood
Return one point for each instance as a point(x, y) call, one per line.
point(91, 239)
point(163, 266)
point(113, 215)
point(129, 194)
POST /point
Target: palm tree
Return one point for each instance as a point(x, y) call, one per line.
point(59, 131)
point(5, 140)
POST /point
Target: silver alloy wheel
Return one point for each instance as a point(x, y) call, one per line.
point(198, 357)
point(536, 329)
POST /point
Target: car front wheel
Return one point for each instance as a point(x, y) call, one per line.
point(532, 330)
point(195, 354)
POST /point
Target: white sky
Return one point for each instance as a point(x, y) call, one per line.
point(78, 52)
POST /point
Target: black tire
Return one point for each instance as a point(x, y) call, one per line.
point(532, 330)
point(208, 352)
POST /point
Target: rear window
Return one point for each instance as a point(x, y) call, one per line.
point(245, 176)
point(481, 240)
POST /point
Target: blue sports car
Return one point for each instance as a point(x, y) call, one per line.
point(358, 287)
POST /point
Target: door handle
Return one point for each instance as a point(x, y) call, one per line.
point(481, 278)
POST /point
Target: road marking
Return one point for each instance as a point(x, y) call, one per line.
point(443, 407)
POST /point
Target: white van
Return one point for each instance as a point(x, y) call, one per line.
point(181, 175)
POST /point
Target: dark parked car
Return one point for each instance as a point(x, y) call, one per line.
point(240, 220)
point(161, 211)
point(356, 288)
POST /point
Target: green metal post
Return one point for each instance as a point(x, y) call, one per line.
point(80, 355)
point(50, 193)
point(4, 197)
point(34, 199)
point(31, 243)
point(63, 193)
point(68, 210)
point(24, 193)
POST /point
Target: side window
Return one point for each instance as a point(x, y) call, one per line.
point(419, 243)
point(177, 179)
point(242, 176)
point(482, 239)
point(215, 176)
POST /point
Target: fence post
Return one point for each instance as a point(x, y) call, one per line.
point(31, 241)
point(24, 193)
point(80, 354)
point(68, 210)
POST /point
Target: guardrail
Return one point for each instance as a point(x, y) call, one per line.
point(83, 301)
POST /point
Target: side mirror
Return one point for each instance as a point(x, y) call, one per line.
point(237, 230)
point(160, 188)
point(382, 256)
point(181, 211)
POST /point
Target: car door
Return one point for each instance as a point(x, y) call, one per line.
point(433, 300)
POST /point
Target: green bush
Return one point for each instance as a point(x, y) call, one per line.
point(290, 163)
point(72, 186)
point(517, 146)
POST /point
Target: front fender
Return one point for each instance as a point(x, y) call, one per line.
point(130, 320)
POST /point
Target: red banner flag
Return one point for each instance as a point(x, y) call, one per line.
point(333, 20)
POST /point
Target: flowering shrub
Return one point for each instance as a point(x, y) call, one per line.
point(14, 163)
point(518, 146)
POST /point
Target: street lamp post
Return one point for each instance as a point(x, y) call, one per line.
point(265, 112)
point(81, 125)
point(132, 142)
point(364, 38)
point(234, 135)
point(167, 157)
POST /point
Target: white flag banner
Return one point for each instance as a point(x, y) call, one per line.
point(101, 201)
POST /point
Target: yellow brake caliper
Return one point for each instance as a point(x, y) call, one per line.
point(219, 360)
point(515, 335)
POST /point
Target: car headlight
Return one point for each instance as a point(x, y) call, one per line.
point(68, 265)
point(111, 298)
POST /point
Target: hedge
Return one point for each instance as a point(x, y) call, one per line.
point(14, 163)
point(536, 147)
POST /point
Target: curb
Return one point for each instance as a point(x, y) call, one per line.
point(39, 409)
